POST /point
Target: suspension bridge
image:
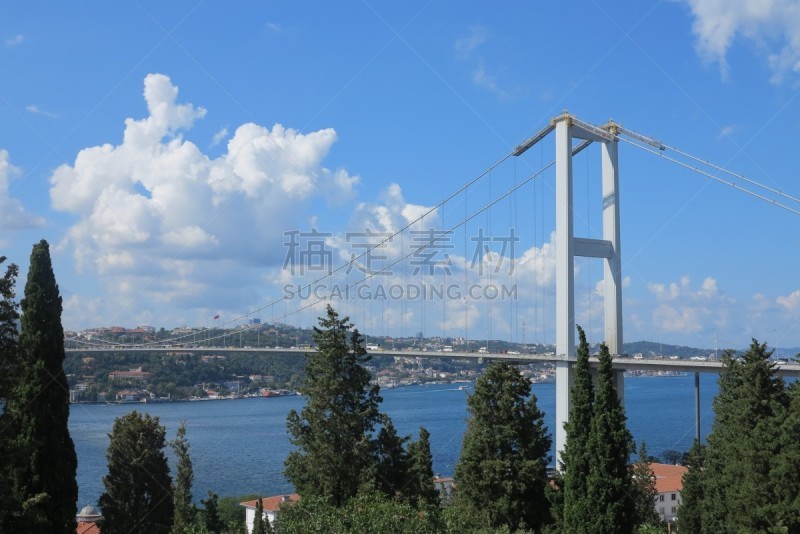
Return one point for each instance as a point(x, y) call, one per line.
point(416, 254)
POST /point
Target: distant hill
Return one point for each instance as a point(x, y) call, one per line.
point(649, 348)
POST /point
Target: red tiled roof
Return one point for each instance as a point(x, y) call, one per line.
point(87, 528)
point(669, 478)
point(272, 504)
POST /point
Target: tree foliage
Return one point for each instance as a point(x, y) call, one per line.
point(210, 514)
point(332, 434)
point(420, 473)
point(749, 481)
point(184, 509)
point(371, 512)
point(40, 454)
point(610, 482)
point(138, 488)
point(576, 461)
point(644, 491)
point(502, 472)
point(690, 512)
point(260, 523)
point(9, 508)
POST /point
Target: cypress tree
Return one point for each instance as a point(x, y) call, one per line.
point(502, 472)
point(9, 368)
point(138, 489)
point(785, 472)
point(185, 512)
point(391, 461)
point(43, 460)
point(690, 511)
point(9, 316)
point(743, 444)
point(259, 526)
point(609, 486)
point(333, 432)
point(644, 491)
point(421, 486)
point(211, 518)
point(576, 461)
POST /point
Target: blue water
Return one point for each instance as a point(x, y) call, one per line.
point(238, 446)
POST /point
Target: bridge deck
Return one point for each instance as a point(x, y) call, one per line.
point(628, 364)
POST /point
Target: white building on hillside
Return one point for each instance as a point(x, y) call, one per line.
point(669, 483)
point(271, 506)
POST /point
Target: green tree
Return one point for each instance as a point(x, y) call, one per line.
point(138, 488)
point(368, 512)
point(211, 518)
point(421, 484)
point(184, 509)
point(9, 508)
point(502, 471)
point(690, 512)
point(739, 495)
point(644, 491)
point(333, 432)
point(259, 522)
point(610, 444)
point(576, 461)
point(391, 461)
point(42, 459)
point(9, 315)
point(785, 470)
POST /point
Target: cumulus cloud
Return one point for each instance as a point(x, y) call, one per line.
point(772, 26)
point(220, 136)
point(790, 302)
point(682, 308)
point(12, 213)
point(158, 219)
point(489, 82)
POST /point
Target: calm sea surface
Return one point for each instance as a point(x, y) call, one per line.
point(238, 446)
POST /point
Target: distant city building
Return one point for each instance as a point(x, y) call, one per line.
point(131, 374)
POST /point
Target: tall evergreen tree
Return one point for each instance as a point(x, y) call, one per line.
point(743, 444)
point(690, 512)
point(9, 315)
point(502, 471)
point(421, 486)
point(259, 522)
point(9, 508)
point(785, 470)
point(213, 522)
point(610, 445)
point(43, 460)
point(391, 461)
point(576, 461)
point(138, 488)
point(333, 432)
point(644, 491)
point(185, 511)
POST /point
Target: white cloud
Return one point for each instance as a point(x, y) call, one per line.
point(681, 308)
point(12, 214)
point(16, 40)
point(773, 26)
point(489, 82)
point(32, 108)
point(467, 44)
point(220, 136)
point(157, 219)
point(790, 302)
point(273, 27)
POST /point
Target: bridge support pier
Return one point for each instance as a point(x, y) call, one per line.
point(567, 247)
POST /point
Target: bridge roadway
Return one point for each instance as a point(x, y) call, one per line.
point(619, 362)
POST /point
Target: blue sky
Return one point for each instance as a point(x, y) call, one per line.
point(165, 151)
